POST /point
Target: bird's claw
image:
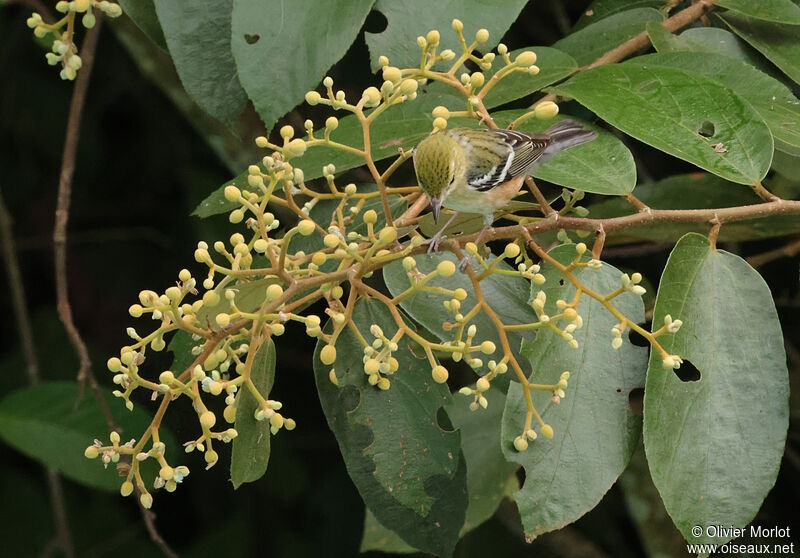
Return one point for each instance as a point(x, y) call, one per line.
point(434, 242)
point(463, 263)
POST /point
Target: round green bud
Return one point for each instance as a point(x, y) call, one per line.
point(287, 132)
point(439, 123)
point(328, 354)
point(372, 96)
point(482, 384)
point(387, 235)
point(392, 74)
point(441, 112)
point(211, 457)
point(526, 58)
point(306, 227)
point(545, 110)
point(446, 268)
point(332, 123)
point(313, 98)
point(409, 86)
point(135, 310)
point(383, 61)
point(229, 414)
point(166, 377)
point(261, 141)
point(422, 42)
point(460, 294)
point(319, 258)
point(81, 5)
point(260, 245)
point(295, 148)
point(274, 291)
point(547, 431)
point(483, 35)
point(211, 298)
point(371, 216)
point(114, 437)
point(384, 384)
point(146, 500)
point(433, 37)
point(331, 240)
point(487, 347)
point(477, 79)
point(222, 319)
point(409, 263)
point(520, 443)
point(511, 250)
point(91, 452)
point(166, 472)
point(289, 424)
point(126, 489)
point(371, 366)
point(328, 81)
point(439, 374)
point(114, 364)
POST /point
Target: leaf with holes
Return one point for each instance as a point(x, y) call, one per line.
point(779, 43)
point(409, 471)
point(595, 430)
point(714, 442)
point(198, 34)
point(771, 99)
point(43, 423)
point(276, 57)
point(693, 191)
point(591, 42)
point(779, 11)
point(250, 454)
point(507, 295)
point(665, 108)
point(408, 20)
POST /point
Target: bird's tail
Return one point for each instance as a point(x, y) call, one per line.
point(566, 134)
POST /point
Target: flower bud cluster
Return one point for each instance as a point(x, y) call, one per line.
point(379, 362)
point(631, 283)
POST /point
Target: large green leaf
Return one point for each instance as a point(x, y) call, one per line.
point(665, 108)
point(143, 14)
point(779, 43)
point(42, 422)
point(408, 20)
point(708, 39)
point(779, 11)
point(508, 297)
point(409, 471)
point(771, 99)
point(600, 9)
point(596, 39)
point(595, 430)
point(490, 477)
point(283, 49)
point(250, 455)
point(198, 34)
point(694, 191)
point(714, 445)
point(601, 166)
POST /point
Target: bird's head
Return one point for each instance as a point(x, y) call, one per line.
point(438, 161)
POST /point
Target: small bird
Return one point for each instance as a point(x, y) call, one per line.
point(481, 170)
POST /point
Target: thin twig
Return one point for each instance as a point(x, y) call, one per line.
point(636, 202)
point(63, 537)
point(155, 536)
point(716, 224)
point(544, 205)
point(68, 156)
point(785, 251)
point(763, 193)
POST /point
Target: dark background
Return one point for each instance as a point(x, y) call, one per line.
point(141, 169)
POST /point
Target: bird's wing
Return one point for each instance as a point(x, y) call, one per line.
point(522, 150)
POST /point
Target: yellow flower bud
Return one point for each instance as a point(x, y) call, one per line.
point(312, 98)
point(274, 291)
point(409, 86)
point(526, 58)
point(295, 148)
point(384, 384)
point(81, 5)
point(433, 37)
point(126, 489)
point(306, 227)
point(458, 27)
point(441, 112)
point(383, 61)
point(229, 414)
point(232, 193)
point(319, 258)
point(547, 431)
point(91, 452)
point(439, 374)
point(545, 110)
point(446, 268)
point(332, 123)
point(482, 35)
point(287, 132)
point(208, 419)
point(511, 250)
point(392, 74)
point(370, 216)
point(439, 123)
point(331, 240)
point(421, 42)
point(409, 263)
point(222, 319)
point(482, 384)
point(372, 95)
point(477, 79)
point(387, 235)
point(328, 354)
point(520, 443)
point(487, 347)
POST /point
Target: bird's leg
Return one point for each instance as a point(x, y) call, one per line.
point(487, 222)
point(439, 236)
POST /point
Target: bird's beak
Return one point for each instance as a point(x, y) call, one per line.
point(436, 206)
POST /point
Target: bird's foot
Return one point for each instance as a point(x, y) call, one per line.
point(463, 263)
point(435, 241)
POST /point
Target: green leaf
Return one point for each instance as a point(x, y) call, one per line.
point(709, 39)
point(377, 537)
point(250, 454)
point(198, 33)
point(714, 445)
point(665, 108)
point(408, 20)
point(143, 14)
point(771, 99)
point(693, 191)
point(283, 49)
point(601, 166)
point(595, 429)
point(553, 64)
point(779, 11)
point(42, 422)
point(508, 296)
point(600, 9)
point(591, 42)
point(488, 472)
point(409, 471)
point(779, 43)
